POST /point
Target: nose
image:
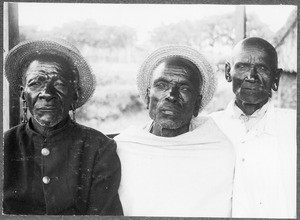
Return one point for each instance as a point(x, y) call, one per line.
point(252, 74)
point(47, 91)
point(173, 95)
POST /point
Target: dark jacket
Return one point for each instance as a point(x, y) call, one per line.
point(74, 171)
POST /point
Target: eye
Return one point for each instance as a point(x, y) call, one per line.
point(241, 66)
point(34, 84)
point(59, 84)
point(185, 89)
point(262, 69)
point(161, 85)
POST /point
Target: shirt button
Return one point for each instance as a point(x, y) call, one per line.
point(45, 151)
point(243, 159)
point(46, 179)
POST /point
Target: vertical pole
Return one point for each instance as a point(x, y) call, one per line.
point(240, 15)
point(5, 87)
point(13, 39)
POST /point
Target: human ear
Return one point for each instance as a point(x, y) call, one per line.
point(276, 78)
point(147, 97)
point(22, 92)
point(197, 105)
point(75, 97)
point(227, 72)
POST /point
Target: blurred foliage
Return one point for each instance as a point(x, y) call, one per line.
point(91, 34)
point(208, 32)
point(286, 96)
point(87, 33)
point(115, 56)
point(256, 28)
point(213, 31)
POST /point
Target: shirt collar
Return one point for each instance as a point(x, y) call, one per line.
point(53, 135)
point(266, 112)
point(234, 111)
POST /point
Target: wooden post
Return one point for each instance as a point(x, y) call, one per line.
point(240, 15)
point(11, 101)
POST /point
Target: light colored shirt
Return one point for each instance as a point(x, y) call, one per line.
point(265, 171)
point(188, 175)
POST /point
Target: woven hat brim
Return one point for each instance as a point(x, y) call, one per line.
point(24, 51)
point(209, 81)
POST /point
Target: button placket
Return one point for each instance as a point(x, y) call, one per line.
point(45, 152)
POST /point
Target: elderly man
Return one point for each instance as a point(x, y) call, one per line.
point(177, 164)
point(264, 136)
point(52, 165)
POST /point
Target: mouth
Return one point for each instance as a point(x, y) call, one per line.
point(251, 85)
point(50, 108)
point(249, 88)
point(168, 112)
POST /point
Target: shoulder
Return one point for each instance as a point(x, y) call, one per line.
point(12, 139)
point(221, 118)
point(282, 114)
point(15, 131)
point(133, 132)
point(285, 112)
point(209, 128)
point(217, 114)
point(92, 135)
point(211, 125)
point(87, 129)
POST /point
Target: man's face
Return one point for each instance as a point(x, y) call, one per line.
point(173, 96)
point(48, 92)
point(252, 74)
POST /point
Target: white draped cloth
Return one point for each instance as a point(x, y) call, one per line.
point(266, 160)
point(188, 175)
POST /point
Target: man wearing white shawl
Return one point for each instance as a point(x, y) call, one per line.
point(178, 164)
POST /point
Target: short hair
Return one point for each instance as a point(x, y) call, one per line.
point(262, 44)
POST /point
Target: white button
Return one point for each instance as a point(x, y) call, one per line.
point(45, 151)
point(46, 179)
point(243, 159)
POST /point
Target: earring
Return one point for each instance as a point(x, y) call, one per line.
point(147, 97)
point(24, 107)
point(275, 87)
point(228, 77)
point(73, 112)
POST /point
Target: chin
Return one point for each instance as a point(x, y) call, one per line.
point(253, 98)
point(170, 124)
point(254, 101)
point(48, 122)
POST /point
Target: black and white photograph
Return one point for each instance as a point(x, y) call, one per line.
point(147, 109)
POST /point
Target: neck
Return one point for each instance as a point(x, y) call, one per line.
point(46, 130)
point(249, 108)
point(158, 130)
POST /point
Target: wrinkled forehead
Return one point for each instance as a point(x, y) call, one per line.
point(47, 67)
point(178, 67)
point(255, 52)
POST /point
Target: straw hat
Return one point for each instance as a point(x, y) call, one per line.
point(209, 82)
point(25, 51)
